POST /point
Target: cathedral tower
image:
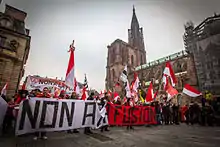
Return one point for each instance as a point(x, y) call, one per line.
point(136, 39)
point(121, 53)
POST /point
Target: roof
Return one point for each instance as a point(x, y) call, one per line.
point(121, 41)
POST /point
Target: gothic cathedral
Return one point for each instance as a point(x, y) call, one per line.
point(121, 53)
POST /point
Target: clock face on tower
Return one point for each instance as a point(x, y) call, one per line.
point(5, 23)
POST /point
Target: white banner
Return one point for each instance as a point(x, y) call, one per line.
point(34, 82)
point(3, 109)
point(43, 114)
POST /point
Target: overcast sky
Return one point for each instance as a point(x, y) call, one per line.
point(94, 24)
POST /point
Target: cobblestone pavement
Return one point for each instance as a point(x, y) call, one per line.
point(154, 136)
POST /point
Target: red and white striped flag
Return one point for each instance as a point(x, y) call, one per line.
point(190, 91)
point(4, 90)
point(69, 81)
point(168, 72)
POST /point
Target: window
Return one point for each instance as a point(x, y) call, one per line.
point(2, 40)
point(132, 60)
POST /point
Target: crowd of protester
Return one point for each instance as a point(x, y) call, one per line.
point(166, 113)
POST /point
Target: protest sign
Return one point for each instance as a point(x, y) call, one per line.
point(43, 114)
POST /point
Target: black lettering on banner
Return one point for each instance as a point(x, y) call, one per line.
point(69, 114)
point(116, 112)
point(134, 118)
point(43, 114)
point(128, 114)
point(93, 104)
point(148, 111)
point(102, 119)
point(27, 109)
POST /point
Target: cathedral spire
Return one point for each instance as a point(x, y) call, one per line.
point(134, 21)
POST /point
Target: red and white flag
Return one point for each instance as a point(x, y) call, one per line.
point(171, 92)
point(190, 91)
point(135, 84)
point(116, 96)
point(168, 72)
point(84, 94)
point(127, 89)
point(150, 93)
point(102, 94)
point(4, 90)
point(76, 87)
point(69, 81)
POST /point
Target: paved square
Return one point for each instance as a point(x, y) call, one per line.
point(154, 136)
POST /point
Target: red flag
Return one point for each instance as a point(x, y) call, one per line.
point(23, 86)
point(116, 96)
point(150, 93)
point(69, 81)
point(171, 92)
point(84, 95)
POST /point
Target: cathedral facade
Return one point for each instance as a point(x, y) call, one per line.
point(14, 48)
point(121, 53)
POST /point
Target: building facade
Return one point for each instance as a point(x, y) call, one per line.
point(121, 53)
point(14, 48)
point(203, 42)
